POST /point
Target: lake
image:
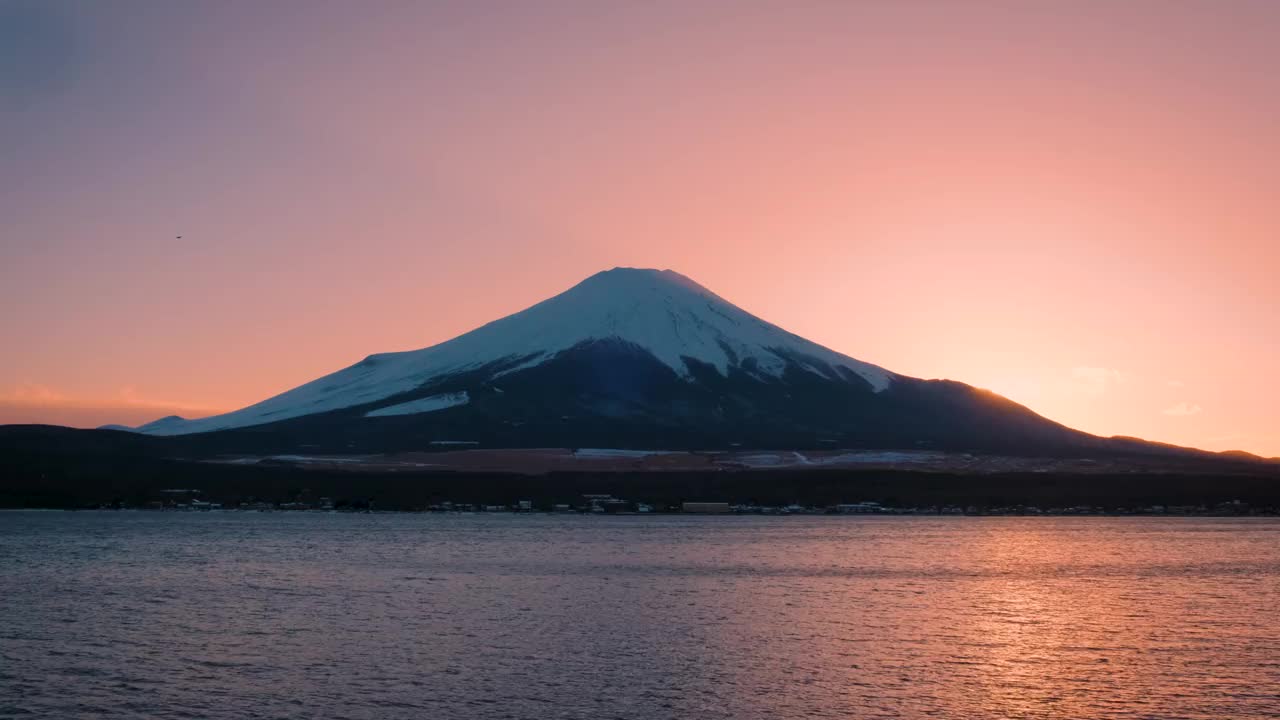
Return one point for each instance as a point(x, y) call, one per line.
point(307, 615)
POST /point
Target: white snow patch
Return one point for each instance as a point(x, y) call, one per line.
point(170, 425)
point(533, 361)
point(315, 459)
point(885, 456)
point(612, 453)
point(795, 459)
point(764, 460)
point(423, 405)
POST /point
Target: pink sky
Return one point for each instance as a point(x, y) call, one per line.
point(1073, 204)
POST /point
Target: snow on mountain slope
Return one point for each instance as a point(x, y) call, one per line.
point(168, 425)
point(423, 405)
point(663, 312)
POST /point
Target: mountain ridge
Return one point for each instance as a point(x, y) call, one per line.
point(634, 359)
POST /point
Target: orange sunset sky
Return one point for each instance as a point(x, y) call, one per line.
point(1074, 204)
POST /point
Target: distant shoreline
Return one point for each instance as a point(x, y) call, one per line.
point(63, 483)
point(42, 468)
point(908, 513)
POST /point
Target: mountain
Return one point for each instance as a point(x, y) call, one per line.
point(167, 425)
point(630, 358)
point(659, 314)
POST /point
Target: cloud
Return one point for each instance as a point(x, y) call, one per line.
point(129, 397)
point(29, 394)
point(1183, 409)
point(30, 402)
point(1095, 381)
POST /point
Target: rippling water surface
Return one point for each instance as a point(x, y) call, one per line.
point(290, 615)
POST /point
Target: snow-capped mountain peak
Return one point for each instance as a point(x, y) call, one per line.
point(661, 312)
